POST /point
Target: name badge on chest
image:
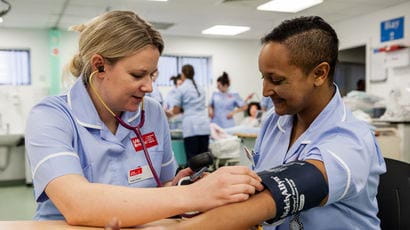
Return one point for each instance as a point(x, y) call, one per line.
point(150, 140)
point(139, 174)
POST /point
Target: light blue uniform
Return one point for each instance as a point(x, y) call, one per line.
point(224, 103)
point(65, 135)
point(169, 98)
point(266, 103)
point(351, 156)
point(195, 121)
point(156, 94)
point(175, 122)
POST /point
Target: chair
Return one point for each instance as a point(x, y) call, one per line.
point(394, 196)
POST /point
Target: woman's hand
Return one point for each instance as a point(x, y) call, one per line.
point(226, 185)
point(210, 112)
point(230, 115)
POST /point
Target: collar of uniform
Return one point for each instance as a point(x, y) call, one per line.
point(83, 108)
point(286, 121)
point(334, 112)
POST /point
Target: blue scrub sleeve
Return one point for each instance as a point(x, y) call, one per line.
point(169, 164)
point(239, 102)
point(49, 137)
point(264, 102)
point(347, 162)
point(176, 100)
point(212, 100)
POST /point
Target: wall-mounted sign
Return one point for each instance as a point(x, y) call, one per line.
point(392, 29)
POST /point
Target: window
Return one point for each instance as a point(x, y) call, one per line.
point(169, 66)
point(15, 67)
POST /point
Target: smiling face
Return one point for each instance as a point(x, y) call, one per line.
point(124, 84)
point(289, 88)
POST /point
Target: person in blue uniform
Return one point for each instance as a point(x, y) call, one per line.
point(195, 122)
point(156, 94)
point(174, 121)
point(224, 104)
point(176, 80)
point(266, 104)
point(87, 168)
point(320, 165)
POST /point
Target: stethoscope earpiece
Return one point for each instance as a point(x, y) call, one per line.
point(100, 69)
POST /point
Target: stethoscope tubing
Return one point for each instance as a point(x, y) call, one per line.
point(136, 129)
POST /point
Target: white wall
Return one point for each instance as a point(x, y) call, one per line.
point(365, 30)
point(15, 102)
point(237, 57)
point(37, 41)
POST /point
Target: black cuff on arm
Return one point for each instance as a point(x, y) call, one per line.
point(295, 186)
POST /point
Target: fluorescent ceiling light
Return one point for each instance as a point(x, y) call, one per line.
point(288, 6)
point(225, 30)
point(1, 20)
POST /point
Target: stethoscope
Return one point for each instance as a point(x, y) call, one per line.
point(136, 129)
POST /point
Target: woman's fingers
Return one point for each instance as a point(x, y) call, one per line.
point(246, 180)
point(240, 170)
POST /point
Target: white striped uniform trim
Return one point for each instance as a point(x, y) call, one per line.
point(78, 121)
point(53, 156)
point(349, 174)
point(88, 125)
point(279, 126)
point(169, 162)
point(344, 112)
point(69, 99)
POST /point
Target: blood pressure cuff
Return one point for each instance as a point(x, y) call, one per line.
point(295, 186)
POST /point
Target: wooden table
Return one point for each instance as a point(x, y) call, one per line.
point(62, 225)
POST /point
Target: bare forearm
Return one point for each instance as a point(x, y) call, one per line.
point(132, 206)
point(241, 109)
point(236, 216)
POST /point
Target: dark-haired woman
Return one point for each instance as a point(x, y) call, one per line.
point(225, 104)
point(195, 122)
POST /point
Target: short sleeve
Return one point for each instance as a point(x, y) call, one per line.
point(212, 100)
point(49, 143)
point(264, 103)
point(176, 100)
point(346, 157)
point(239, 102)
point(169, 164)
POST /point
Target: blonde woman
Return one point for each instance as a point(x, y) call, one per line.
point(101, 150)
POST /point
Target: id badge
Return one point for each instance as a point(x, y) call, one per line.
point(139, 174)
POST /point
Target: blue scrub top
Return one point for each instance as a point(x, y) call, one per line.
point(224, 103)
point(169, 98)
point(266, 103)
point(351, 156)
point(195, 120)
point(156, 94)
point(65, 136)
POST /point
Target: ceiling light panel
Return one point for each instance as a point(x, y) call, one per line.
point(288, 6)
point(225, 30)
